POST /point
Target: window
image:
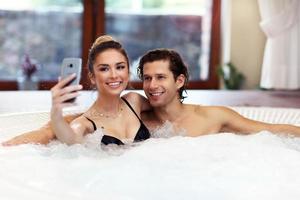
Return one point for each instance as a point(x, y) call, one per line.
point(46, 31)
point(49, 30)
point(185, 26)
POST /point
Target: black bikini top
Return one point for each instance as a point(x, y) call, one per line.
point(142, 134)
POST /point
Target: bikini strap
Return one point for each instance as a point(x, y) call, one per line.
point(128, 104)
point(94, 125)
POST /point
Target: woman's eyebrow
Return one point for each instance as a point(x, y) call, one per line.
point(107, 65)
point(118, 63)
point(102, 65)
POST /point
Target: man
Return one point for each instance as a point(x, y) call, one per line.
point(165, 77)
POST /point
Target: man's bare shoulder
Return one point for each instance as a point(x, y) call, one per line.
point(203, 110)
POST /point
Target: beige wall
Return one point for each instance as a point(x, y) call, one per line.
point(247, 40)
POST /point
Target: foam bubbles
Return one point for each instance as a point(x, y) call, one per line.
point(221, 166)
point(167, 130)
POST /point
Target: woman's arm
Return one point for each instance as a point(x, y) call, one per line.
point(46, 133)
point(69, 133)
point(65, 132)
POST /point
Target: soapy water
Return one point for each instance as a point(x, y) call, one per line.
point(218, 166)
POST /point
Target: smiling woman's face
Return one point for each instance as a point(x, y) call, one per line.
point(110, 72)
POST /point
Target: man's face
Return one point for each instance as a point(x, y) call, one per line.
point(159, 84)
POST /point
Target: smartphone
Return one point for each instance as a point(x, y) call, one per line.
point(71, 66)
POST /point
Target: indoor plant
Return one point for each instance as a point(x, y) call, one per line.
point(230, 76)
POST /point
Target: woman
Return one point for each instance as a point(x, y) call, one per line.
point(109, 72)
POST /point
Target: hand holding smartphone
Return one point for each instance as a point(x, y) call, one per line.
point(71, 66)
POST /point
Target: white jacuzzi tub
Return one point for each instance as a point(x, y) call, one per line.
point(221, 166)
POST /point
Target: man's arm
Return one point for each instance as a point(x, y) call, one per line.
point(234, 122)
point(42, 135)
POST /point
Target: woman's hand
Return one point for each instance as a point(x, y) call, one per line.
point(61, 94)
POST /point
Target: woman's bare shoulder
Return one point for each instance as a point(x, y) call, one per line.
point(79, 121)
point(84, 122)
point(131, 96)
point(70, 117)
point(138, 101)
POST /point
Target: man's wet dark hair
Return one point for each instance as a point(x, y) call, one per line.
point(176, 66)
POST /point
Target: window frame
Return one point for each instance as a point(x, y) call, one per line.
point(93, 25)
point(214, 59)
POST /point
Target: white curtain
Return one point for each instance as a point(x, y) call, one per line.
point(281, 63)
